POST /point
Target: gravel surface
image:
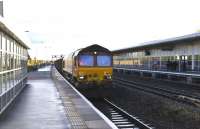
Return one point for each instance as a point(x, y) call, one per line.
point(160, 112)
point(185, 88)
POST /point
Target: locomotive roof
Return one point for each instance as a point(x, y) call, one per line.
point(94, 47)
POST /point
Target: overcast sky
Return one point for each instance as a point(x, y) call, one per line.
point(62, 26)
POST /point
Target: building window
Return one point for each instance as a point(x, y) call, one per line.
point(3, 43)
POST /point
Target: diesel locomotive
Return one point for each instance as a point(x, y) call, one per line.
point(89, 67)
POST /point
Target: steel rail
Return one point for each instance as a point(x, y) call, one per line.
point(132, 122)
point(175, 95)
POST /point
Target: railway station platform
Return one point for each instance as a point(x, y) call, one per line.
point(183, 77)
point(49, 102)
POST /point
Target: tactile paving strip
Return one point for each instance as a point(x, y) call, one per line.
point(72, 114)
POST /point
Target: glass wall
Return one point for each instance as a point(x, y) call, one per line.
point(178, 63)
point(13, 60)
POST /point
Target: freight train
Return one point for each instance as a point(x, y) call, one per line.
point(89, 67)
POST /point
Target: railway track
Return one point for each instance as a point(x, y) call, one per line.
point(121, 118)
point(175, 95)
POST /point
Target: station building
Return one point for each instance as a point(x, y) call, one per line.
point(180, 54)
point(13, 65)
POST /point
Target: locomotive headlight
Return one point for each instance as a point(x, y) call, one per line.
point(108, 76)
point(81, 77)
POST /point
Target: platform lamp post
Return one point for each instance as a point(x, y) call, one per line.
point(29, 36)
point(27, 31)
point(1, 8)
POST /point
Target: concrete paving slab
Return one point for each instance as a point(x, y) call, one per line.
point(85, 112)
point(37, 107)
point(41, 106)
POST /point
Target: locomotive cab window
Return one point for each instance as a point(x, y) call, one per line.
point(104, 60)
point(86, 60)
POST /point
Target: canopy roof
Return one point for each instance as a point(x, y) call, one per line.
point(186, 39)
point(4, 28)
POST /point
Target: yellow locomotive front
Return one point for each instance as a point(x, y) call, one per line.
point(94, 68)
point(90, 65)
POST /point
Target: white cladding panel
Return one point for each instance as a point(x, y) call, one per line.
point(182, 49)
